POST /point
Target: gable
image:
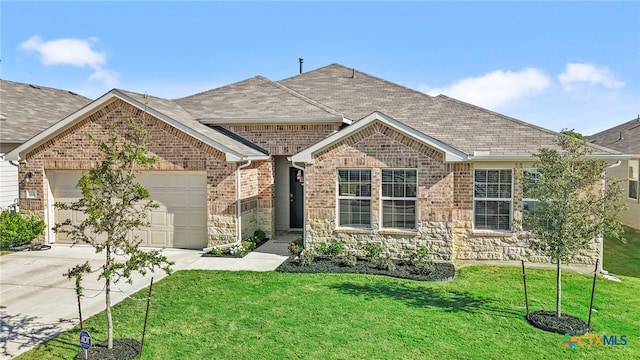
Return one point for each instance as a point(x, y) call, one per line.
point(355, 132)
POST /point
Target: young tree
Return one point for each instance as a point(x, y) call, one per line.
point(576, 202)
point(114, 205)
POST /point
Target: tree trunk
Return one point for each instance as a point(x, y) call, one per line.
point(107, 290)
point(559, 290)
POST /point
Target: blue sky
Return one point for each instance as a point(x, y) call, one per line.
point(554, 64)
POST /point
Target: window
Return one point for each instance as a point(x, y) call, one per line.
point(354, 197)
point(399, 198)
point(530, 178)
point(492, 199)
point(634, 169)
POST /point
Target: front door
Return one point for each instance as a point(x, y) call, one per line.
point(296, 198)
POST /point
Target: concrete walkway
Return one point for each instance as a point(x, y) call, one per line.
point(37, 302)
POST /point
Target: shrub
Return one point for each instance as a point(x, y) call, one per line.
point(217, 251)
point(420, 260)
point(307, 258)
point(17, 229)
point(349, 259)
point(259, 235)
point(386, 263)
point(248, 245)
point(237, 250)
point(333, 249)
point(372, 251)
point(295, 247)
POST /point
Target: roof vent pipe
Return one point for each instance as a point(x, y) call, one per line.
point(301, 60)
point(621, 137)
point(353, 73)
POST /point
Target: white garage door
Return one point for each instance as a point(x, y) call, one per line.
point(180, 221)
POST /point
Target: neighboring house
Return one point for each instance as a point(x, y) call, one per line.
point(625, 138)
point(26, 110)
point(334, 152)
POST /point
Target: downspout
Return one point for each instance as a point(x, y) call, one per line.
point(604, 183)
point(304, 207)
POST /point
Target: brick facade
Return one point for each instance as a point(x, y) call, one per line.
point(445, 202)
point(284, 139)
point(175, 150)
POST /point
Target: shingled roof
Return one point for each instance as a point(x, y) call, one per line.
point(26, 109)
point(458, 124)
point(624, 137)
point(255, 99)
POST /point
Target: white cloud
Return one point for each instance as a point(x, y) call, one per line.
point(577, 77)
point(74, 52)
point(494, 89)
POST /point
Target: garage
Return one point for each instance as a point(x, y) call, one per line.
point(180, 221)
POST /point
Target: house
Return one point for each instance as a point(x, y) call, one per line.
point(26, 110)
point(334, 152)
point(625, 138)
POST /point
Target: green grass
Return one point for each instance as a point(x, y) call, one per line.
point(252, 315)
point(621, 258)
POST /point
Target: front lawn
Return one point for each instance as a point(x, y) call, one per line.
point(621, 258)
point(255, 315)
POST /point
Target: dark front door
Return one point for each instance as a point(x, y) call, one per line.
point(296, 198)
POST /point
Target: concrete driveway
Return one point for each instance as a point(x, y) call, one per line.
point(37, 302)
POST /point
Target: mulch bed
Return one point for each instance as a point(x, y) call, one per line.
point(442, 271)
point(566, 324)
point(227, 254)
point(123, 349)
point(28, 247)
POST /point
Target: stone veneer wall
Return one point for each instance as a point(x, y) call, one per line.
point(72, 150)
point(375, 147)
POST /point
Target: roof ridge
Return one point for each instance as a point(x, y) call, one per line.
point(618, 127)
point(417, 92)
point(305, 98)
point(36, 86)
point(219, 87)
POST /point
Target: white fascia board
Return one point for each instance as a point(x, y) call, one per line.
point(451, 154)
point(274, 120)
point(16, 154)
point(234, 158)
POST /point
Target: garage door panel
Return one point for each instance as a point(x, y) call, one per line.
point(182, 211)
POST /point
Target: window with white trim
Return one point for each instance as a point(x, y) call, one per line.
point(634, 169)
point(530, 177)
point(492, 199)
point(354, 198)
point(399, 198)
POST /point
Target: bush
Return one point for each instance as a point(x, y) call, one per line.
point(333, 249)
point(295, 247)
point(248, 245)
point(217, 251)
point(259, 235)
point(350, 259)
point(420, 259)
point(307, 258)
point(18, 229)
point(372, 251)
point(237, 250)
point(386, 263)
